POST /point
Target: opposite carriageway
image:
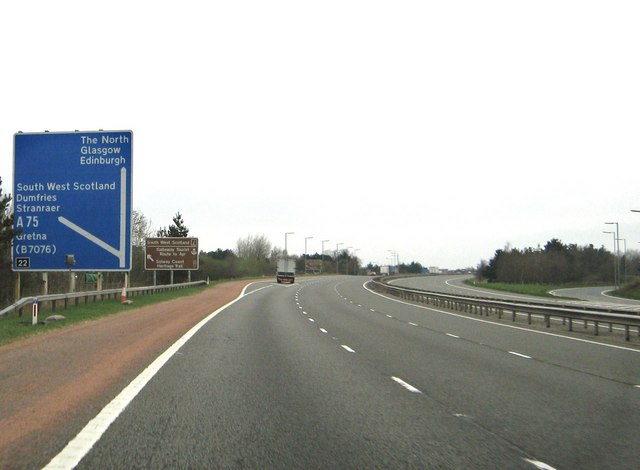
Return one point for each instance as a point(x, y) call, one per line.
point(616, 320)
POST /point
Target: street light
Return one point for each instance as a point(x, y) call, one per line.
point(285, 242)
point(615, 268)
point(338, 262)
point(617, 248)
point(395, 259)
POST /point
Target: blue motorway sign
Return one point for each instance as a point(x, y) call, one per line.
point(72, 201)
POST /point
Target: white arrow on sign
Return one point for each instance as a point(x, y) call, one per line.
point(120, 252)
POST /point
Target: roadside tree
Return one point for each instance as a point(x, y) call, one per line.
point(7, 234)
point(177, 229)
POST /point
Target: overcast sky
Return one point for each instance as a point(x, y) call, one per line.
point(441, 130)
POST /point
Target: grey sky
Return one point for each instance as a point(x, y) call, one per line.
point(440, 130)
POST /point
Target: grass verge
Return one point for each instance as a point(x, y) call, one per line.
point(538, 290)
point(629, 291)
point(13, 327)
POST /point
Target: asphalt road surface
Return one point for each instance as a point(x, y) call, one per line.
point(454, 284)
point(326, 374)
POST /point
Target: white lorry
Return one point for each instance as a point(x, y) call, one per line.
point(286, 271)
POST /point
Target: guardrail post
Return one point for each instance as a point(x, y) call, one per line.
point(595, 326)
point(34, 312)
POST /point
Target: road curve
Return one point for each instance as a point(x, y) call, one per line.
point(326, 374)
point(454, 284)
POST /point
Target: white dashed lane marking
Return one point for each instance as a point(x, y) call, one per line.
point(519, 355)
point(409, 387)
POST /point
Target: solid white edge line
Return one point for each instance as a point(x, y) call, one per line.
point(80, 446)
point(409, 387)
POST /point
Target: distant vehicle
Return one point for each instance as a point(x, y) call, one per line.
point(286, 271)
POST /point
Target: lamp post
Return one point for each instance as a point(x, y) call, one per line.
point(617, 254)
point(322, 256)
point(286, 253)
point(615, 268)
point(395, 259)
point(338, 262)
point(305, 253)
point(632, 210)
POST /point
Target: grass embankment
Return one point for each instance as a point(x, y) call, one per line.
point(629, 291)
point(538, 290)
point(13, 327)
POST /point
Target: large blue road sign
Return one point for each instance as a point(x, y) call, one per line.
point(72, 196)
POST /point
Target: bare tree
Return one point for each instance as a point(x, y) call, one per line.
point(254, 246)
point(140, 228)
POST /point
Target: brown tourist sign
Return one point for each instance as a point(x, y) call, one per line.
point(171, 253)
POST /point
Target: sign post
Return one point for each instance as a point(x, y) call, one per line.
point(72, 194)
point(172, 254)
